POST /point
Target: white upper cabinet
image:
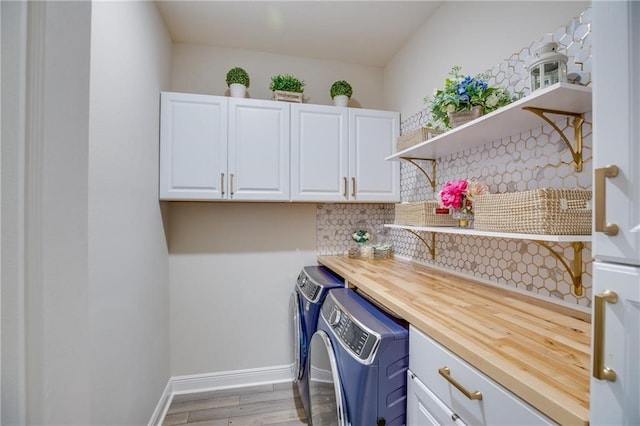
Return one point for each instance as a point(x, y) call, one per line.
point(193, 146)
point(372, 138)
point(616, 131)
point(338, 154)
point(258, 165)
point(319, 153)
point(217, 148)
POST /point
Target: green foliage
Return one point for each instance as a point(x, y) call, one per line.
point(462, 93)
point(237, 75)
point(341, 87)
point(286, 82)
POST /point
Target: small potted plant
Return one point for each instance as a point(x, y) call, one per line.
point(238, 82)
point(287, 88)
point(340, 92)
point(464, 99)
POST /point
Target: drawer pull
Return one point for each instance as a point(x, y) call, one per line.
point(446, 373)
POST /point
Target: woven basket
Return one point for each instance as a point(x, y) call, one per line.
point(414, 138)
point(541, 211)
point(459, 118)
point(423, 214)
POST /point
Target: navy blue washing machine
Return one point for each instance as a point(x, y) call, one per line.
point(311, 288)
point(358, 361)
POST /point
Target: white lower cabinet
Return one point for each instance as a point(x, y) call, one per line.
point(444, 389)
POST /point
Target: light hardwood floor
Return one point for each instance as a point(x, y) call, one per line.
point(270, 404)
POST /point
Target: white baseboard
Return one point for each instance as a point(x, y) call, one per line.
point(179, 385)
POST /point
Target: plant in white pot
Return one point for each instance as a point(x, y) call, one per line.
point(340, 92)
point(238, 82)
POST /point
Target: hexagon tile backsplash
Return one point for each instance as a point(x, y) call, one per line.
point(535, 158)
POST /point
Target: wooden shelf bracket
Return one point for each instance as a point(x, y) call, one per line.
point(432, 179)
point(578, 120)
point(575, 269)
point(431, 246)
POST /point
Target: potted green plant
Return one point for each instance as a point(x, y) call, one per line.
point(238, 82)
point(465, 98)
point(340, 92)
point(287, 88)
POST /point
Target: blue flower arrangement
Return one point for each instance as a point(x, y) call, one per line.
point(463, 93)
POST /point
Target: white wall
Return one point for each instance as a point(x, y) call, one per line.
point(203, 69)
point(476, 35)
point(233, 267)
point(128, 262)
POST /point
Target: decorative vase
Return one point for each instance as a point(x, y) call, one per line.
point(464, 214)
point(459, 118)
point(341, 100)
point(237, 90)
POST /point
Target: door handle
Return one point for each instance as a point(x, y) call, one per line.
point(231, 185)
point(446, 373)
point(353, 187)
point(344, 181)
point(222, 184)
point(600, 189)
point(601, 372)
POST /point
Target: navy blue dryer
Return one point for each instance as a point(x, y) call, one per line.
point(311, 288)
point(358, 361)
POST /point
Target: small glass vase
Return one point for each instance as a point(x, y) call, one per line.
point(464, 217)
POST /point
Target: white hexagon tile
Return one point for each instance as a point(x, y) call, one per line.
point(535, 158)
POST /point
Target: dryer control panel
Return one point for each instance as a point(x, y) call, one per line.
point(359, 341)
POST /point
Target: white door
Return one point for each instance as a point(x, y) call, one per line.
point(616, 131)
point(372, 138)
point(258, 163)
point(193, 146)
point(615, 393)
point(319, 153)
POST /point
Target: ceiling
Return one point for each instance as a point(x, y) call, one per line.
point(362, 32)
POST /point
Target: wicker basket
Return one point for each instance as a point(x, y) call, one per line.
point(414, 138)
point(426, 213)
point(541, 211)
point(281, 95)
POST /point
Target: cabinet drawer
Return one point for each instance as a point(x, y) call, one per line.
point(424, 408)
point(497, 405)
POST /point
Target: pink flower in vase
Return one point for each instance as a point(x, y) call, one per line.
point(453, 193)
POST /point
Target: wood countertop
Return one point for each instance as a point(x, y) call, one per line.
point(538, 350)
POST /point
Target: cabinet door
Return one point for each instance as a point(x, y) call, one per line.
point(426, 409)
point(319, 153)
point(616, 402)
point(193, 146)
point(258, 150)
point(372, 138)
point(616, 128)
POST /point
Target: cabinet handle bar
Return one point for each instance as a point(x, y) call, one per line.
point(600, 189)
point(601, 372)
point(446, 373)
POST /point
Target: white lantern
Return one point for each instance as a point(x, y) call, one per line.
point(549, 67)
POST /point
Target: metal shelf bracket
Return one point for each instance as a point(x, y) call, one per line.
point(431, 247)
point(432, 179)
point(578, 120)
point(575, 269)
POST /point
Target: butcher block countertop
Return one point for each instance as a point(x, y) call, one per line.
point(538, 350)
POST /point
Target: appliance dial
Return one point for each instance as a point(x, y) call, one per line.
point(334, 318)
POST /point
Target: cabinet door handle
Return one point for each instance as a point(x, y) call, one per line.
point(446, 373)
point(344, 192)
point(601, 372)
point(231, 185)
point(601, 175)
point(353, 187)
point(222, 184)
